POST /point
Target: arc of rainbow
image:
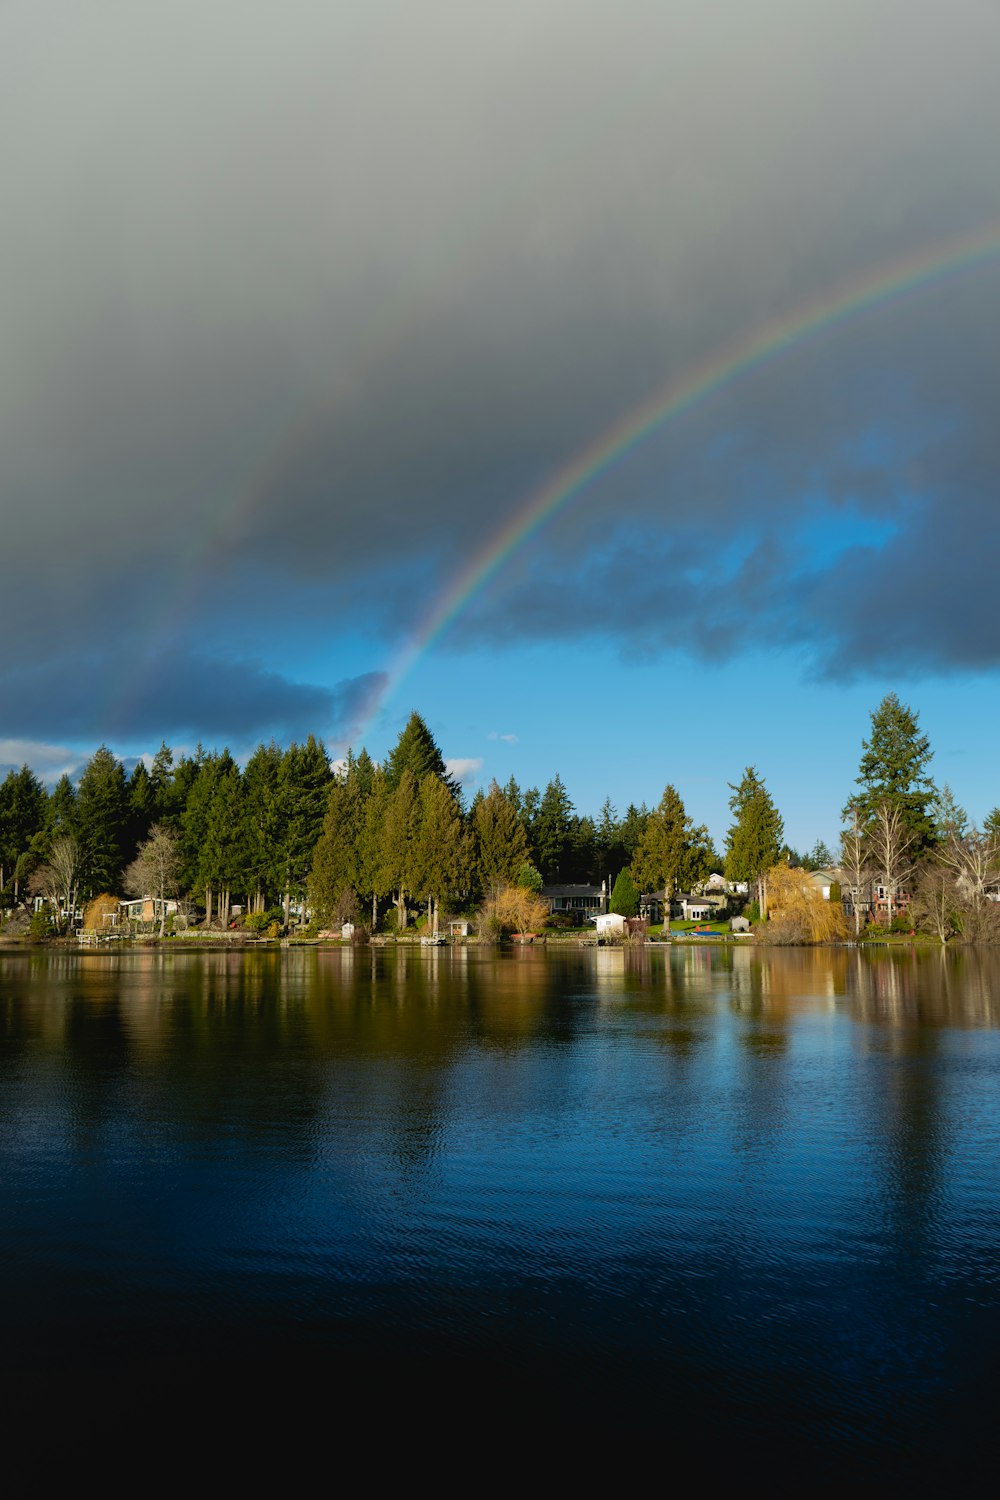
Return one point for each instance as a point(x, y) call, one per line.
point(781, 335)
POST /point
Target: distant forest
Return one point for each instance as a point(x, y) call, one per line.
point(287, 828)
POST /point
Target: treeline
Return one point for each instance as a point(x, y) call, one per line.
point(287, 829)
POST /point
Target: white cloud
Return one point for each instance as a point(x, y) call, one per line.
point(509, 739)
point(464, 768)
point(47, 761)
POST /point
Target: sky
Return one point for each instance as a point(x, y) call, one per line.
point(613, 384)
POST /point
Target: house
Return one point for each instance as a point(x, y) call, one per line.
point(147, 909)
point(651, 906)
point(690, 907)
point(589, 899)
point(824, 880)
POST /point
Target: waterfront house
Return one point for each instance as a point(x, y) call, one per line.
point(589, 900)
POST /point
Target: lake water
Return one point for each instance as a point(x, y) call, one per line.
point(739, 1207)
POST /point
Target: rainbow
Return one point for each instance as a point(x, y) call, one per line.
point(787, 332)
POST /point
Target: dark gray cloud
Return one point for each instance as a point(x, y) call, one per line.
point(124, 690)
point(298, 307)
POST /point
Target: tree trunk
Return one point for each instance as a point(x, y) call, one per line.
point(288, 906)
point(208, 906)
point(374, 913)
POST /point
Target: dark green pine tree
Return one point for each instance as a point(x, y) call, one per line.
point(499, 842)
point(23, 817)
point(172, 796)
point(755, 839)
point(338, 859)
point(416, 751)
point(262, 830)
point(304, 779)
point(553, 832)
point(102, 822)
point(894, 768)
point(198, 876)
point(142, 810)
point(61, 816)
point(223, 854)
point(673, 853)
point(632, 828)
point(160, 776)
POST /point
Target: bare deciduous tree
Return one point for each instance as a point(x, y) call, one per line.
point(56, 880)
point(935, 900)
point(155, 868)
point(889, 843)
point(855, 862)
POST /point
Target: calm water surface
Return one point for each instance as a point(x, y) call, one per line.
point(742, 1203)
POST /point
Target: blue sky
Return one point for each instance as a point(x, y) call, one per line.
point(300, 310)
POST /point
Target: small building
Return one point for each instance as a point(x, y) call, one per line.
point(609, 921)
point(458, 927)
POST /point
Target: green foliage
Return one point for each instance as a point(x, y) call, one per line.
point(552, 832)
point(625, 896)
point(416, 751)
point(893, 769)
point(528, 878)
point(499, 840)
point(672, 852)
point(102, 809)
point(754, 840)
point(23, 816)
point(41, 925)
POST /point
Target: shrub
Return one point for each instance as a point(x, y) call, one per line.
point(103, 906)
point(40, 925)
point(625, 897)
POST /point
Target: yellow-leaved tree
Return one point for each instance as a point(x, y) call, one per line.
point(798, 910)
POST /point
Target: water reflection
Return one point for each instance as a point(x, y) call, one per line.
point(757, 1181)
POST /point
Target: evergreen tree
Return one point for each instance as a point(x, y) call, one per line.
point(608, 853)
point(552, 832)
point(583, 848)
point(893, 769)
point(499, 842)
point(399, 832)
point(950, 820)
point(337, 861)
point(61, 814)
point(672, 850)
point(23, 818)
point(819, 857)
point(416, 751)
point(142, 809)
point(754, 841)
point(304, 779)
point(102, 821)
point(632, 829)
point(439, 858)
point(261, 827)
point(223, 851)
point(374, 870)
point(625, 896)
